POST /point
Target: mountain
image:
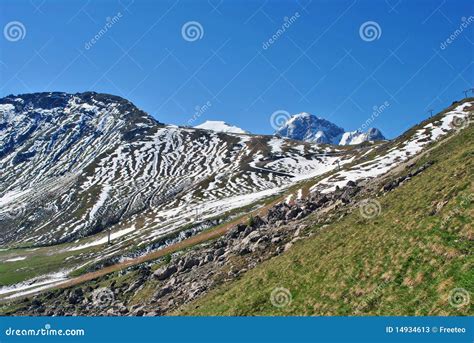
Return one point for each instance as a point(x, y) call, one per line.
point(74, 165)
point(357, 137)
point(220, 126)
point(309, 128)
point(158, 220)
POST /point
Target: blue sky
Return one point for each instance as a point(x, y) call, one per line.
point(322, 63)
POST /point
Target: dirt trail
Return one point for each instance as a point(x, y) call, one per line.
point(197, 239)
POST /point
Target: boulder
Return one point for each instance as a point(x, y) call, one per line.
point(165, 272)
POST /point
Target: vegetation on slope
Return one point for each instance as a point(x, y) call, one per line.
point(413, 258)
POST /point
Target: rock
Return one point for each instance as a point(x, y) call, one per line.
point(219, 252)
point(297, 232)
point(292, 213)
point(247, 231)
point(165, 272)
point(261, 244)
point(189, 263)
point(138, 312)
point(351, 183)
point(236, 231)
point(163, 291)
point(257, 222)
point(208, 258)
point(244, 250)
point(252, 237)
point(76, 296)
point(276, 240)
point(288, 246)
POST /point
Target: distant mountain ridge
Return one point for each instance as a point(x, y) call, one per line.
point(220, 126)
point(310, 128)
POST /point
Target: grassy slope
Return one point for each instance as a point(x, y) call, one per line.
point(406, 261)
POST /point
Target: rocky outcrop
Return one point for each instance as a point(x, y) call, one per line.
point(191, 274)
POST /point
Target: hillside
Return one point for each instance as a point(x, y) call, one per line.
point(411, 258)
point(387, 224)
point(78, 167)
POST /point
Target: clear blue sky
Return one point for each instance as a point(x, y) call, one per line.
point(320, 64)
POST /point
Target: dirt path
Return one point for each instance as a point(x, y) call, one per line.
point(197, 239)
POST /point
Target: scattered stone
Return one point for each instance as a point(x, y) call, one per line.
point(165, 272)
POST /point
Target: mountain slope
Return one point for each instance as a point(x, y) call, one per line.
point(412, 256)
point(75, 165)
point(319, 186)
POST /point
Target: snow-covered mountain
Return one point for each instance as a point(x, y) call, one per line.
point(73, 165)
point(310, 128)
point(220, 126)
point(357, 137)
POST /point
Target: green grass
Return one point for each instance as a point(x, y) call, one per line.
point(34, 265)
point(406, 261)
